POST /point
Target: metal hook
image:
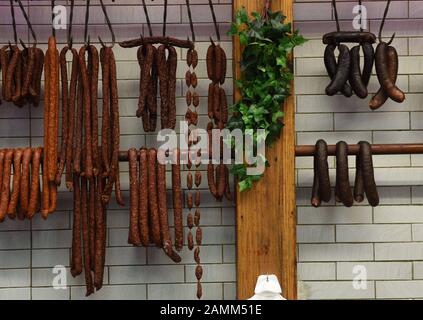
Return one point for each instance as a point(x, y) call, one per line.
point(87, 17)
point(28, 23)
point(147, 18)
point(109, 24)
point(191, 25)
point(383, 23)
point(70, 38)
point(12, 11)
point(216, 27)
point(53, 30)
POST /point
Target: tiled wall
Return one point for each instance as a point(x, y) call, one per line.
point(29, 250)
point(387, 240)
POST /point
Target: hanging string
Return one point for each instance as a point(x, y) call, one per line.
point(147, 17)
point(164, 18)
point(383, 23)
point(53, 30)
point(70, 38)
point(109, 25)
point(338, 28)
point(12, 11)
point(361, 18)
point(216, 27)
point(27, 22)
point(191, 25)
point(87, 17)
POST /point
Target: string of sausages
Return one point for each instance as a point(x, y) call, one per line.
point(20, 191)
point(193, 198)
point(149, 219)
point(217, 110)
point(21, 74)
point(364, 178)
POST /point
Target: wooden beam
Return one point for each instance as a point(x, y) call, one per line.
point(266, 215)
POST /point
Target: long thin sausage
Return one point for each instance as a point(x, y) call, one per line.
point(71, 127)
point(88, 164)
point(93, 72)
point(76, 257)
point(5, 190)
point(134, 234)
point(85, 238)
point(17, 172)
point(105, 126)
point(143, 198)
point(35, 183)
point(152, 197)
point(342, 71)
point(65, 114)
point(342, 174)
point(177, 200)
point(368, 174)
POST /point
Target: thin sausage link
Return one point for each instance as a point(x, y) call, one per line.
point(143, 198)
point(35, 183)
point(93, 54)
point(5, 190)
point(17, 172)
point(134, 234)
point(76, 257)
point(71, 120)
point(105, 125)
point(85, 238)
point(152, 197)
point(65, 114)
point(25, 180)
point(88, 164)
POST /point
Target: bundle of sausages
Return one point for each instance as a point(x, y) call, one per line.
point(92, 171)
point(148, 221)
point(218, 113)
point(347, 68)
point(157, 65)
point(21, 74)
point(23, 199)
point(364, 179)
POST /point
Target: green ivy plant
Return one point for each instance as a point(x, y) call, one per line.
point(266, 75)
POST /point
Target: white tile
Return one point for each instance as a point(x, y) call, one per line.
point(335, 252)
point(399, 289)
point(184, 291)
point(338, 290)
point(316, 271)
point(373, 233)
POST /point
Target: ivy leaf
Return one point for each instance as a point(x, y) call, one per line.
point(266, 74)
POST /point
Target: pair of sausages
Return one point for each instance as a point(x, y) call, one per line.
point(148, 202)
point(147, 103)
point(386, 61)
point(364, 180)
point(22, 200)
point(51, 125)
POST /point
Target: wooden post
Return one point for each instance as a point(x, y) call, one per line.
point(266, 217)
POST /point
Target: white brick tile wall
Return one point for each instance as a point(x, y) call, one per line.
point(386, 240)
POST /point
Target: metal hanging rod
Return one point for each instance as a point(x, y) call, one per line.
point(407, 148)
